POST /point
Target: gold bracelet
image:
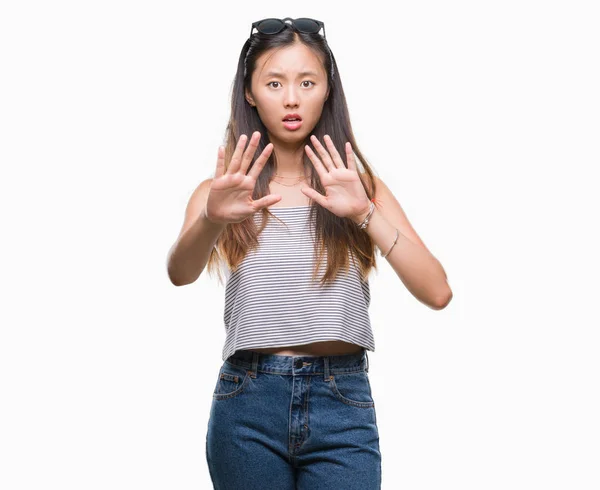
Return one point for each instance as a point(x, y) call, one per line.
point(395, 240)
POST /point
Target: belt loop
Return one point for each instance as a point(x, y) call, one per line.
point(254, 364)
point(326, 365)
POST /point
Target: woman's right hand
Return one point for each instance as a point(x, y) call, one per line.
point(230, 195)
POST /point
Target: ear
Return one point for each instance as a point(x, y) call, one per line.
point(327, 95)
point(249, 98)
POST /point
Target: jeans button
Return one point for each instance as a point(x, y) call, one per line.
point(298, 363)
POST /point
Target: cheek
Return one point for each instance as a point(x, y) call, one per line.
point(268, 115)
point(268, 108)
point(316, 110)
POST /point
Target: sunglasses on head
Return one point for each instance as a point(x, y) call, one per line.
point(273, 26)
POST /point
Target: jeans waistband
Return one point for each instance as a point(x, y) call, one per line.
point(300, 365)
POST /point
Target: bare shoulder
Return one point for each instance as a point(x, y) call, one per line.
point(390, 208)
point(196, 204)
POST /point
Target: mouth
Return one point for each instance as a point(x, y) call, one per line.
point(292, 117)
point(292, 125)
point(292, 122)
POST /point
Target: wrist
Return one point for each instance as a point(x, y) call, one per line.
point(204, 215)
point(359, 218)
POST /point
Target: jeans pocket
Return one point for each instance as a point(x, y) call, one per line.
point(352, 388)
point(231, 381)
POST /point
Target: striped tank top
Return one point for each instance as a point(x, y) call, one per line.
point(272, 301)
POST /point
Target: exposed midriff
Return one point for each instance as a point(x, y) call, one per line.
point(327, 348)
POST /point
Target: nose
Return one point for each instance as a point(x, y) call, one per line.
point(291, 98)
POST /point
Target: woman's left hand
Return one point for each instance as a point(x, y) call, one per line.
point(345, 194)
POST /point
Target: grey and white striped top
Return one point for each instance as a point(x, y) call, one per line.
point(271, 300)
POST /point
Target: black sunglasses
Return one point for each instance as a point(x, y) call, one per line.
point(273, 26)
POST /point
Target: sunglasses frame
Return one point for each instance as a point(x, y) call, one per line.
point(293, 23)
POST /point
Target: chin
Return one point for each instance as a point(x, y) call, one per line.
point(291, 136)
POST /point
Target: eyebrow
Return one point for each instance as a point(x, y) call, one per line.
point(273, 73)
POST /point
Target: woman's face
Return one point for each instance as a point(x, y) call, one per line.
point(290, 80)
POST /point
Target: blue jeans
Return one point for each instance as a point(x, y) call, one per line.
point(293, 422)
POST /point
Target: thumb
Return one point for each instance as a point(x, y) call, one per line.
point(265, 202)
point(314, 195)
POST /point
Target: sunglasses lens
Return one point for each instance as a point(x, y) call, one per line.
point(270, 26)
point(307, 25)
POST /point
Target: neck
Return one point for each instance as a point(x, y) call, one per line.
point(289, 159)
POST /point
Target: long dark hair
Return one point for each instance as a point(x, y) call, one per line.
point(339, 238)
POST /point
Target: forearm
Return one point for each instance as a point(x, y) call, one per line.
point(190, 253)
point(421, 272)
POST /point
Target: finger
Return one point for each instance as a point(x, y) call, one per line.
point(237, 155)
point(250, 151)
point(265, 202)
point(325, 158)
point(259, 164)
point(314, 195)
point(220, 163)
point(350, 157)
point(337, 159)
point(321, 170)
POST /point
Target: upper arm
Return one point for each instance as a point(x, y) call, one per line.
point(196, 204)
point(390, 209)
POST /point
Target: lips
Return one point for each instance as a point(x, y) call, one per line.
point(292, 125)
point(292, 117)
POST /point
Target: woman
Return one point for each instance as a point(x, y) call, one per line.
point(297, 229)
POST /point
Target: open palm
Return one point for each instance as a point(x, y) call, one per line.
point(345, 194)
point(230, 196)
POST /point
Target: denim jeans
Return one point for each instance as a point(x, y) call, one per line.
point(293, 422)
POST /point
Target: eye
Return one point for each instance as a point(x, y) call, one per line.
point(305, 81)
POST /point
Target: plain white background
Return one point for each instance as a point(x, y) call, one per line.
point(482, 117)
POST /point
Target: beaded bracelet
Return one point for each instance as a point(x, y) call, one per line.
point(395, 240)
